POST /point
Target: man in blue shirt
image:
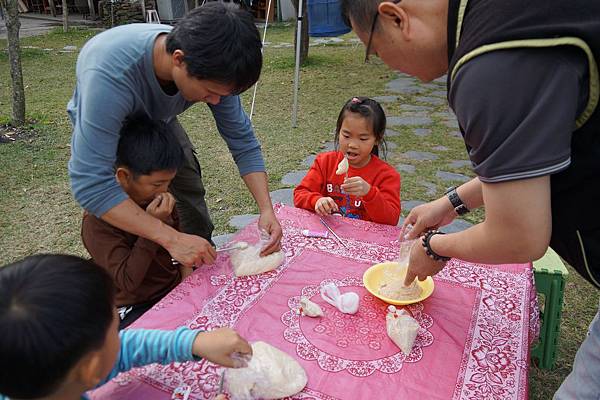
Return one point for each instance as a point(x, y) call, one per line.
point(212, 54)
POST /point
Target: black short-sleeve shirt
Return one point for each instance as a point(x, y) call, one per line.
point(517, 110)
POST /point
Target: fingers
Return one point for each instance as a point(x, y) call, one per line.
point(244, 347)
point(153, 204)
point(408, 231)
point(325, 206)
point(272, 246)
point(169, 201)
point(410, 277)
point(334, 206)
point(208, 254)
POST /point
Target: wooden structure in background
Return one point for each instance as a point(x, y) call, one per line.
point(259, 9)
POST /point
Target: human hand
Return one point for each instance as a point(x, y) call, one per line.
point(325, 206)
point(420, 265)
point(427, 216)
point(356, 186)
point(162, 207)
point(219, 345)
point(268, 222)
point(190, 250)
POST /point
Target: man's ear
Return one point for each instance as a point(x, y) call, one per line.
point(178, 58)
point(394, 15)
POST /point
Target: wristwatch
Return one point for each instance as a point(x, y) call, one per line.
point(456, 201)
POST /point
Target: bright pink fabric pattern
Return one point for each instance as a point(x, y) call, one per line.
point(473, 341)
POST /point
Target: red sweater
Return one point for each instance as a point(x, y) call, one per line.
point(381, 204)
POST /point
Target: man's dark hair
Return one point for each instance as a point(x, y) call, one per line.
point(148, 146)
point(54, 309)
point(220, 43)
point(361, 12)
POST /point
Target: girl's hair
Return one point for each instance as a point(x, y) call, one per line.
point(372, 111)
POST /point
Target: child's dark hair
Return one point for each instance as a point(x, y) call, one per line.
point(147, 146)
point(220, 43)
point(53, 310)
point(373, 112)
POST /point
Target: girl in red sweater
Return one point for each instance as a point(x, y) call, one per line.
point(370, 189)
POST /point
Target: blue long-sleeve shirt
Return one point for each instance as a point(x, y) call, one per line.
point(115, 80)
point(141, 347)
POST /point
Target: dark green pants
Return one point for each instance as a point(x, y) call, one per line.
point(188, 189)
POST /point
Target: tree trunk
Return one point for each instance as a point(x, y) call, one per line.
point(14, 56)
point(304, 32)
point(65, 11)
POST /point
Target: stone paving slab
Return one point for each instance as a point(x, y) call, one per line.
point(448, 114)
point(440, 148)
point(410, 204)
point(413, 108)
point(328, 146)
point(431, 100)
point(408, 121)
point(452, 177)
point(441, 80)
point(309, 160)
point(420, 155)
point(405, 168)
point(405, 90)
point(451, 123)
point(240, 221)
point(386, 99)
point(431, 188)
point(221, 240)
point(391, 133)
point(391, 146)
point(293, 178)
point(399, 84)
point(456, 134)
point(285, 196)
point(460, 164)
point(440, 93)
point(456, 226)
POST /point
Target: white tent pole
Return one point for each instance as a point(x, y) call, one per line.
point(297, 71)
point(262, 50)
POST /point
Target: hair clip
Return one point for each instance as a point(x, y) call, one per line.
point(356, 100)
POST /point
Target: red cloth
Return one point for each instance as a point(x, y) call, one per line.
point(381, 204)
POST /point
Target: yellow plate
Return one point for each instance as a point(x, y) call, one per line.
point(372, 278)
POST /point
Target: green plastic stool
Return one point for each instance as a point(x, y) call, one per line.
point(550, 277)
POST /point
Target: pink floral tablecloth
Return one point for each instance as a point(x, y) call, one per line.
point(473, 343)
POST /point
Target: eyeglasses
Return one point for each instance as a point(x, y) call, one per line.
point(373, 30)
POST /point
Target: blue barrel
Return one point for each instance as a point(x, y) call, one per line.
point(325, 18)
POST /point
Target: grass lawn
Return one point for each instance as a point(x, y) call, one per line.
point(38, 214)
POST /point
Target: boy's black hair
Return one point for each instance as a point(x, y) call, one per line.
point(148, 146)
point(361, 12)
point(220, 43)
point(53, 310)
point(373, 112)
